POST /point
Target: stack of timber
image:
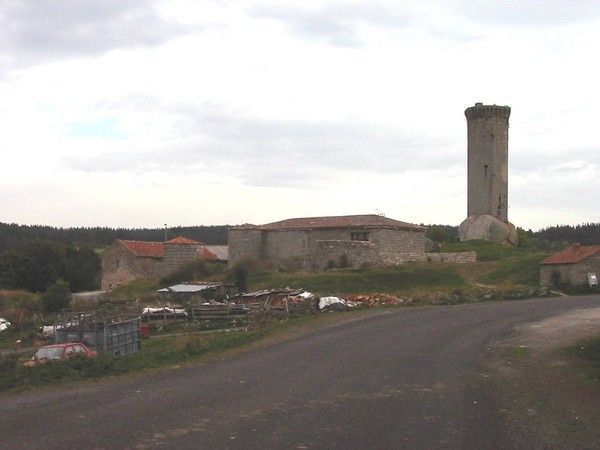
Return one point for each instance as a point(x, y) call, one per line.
point(225, 311)
point(164, 314)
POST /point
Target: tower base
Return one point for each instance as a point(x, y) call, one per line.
point(488, 228)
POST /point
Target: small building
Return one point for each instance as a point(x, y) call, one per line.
point(126, 260)
point(316, 243)
point(574, 265)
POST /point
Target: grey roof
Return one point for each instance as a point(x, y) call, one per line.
point(189, 288)
point(222, 251)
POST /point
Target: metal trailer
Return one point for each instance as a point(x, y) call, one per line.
point(115, 338)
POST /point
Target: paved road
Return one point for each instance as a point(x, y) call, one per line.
point(408, 378)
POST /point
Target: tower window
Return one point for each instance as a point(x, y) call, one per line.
point(485, 170)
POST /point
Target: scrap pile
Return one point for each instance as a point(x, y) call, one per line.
point(373, 300)
point(278, 300)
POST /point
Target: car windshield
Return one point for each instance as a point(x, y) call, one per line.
point(49, 353)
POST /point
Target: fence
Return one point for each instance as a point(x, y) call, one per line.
point(119, 337)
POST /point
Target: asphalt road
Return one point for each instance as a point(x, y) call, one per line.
point(407, 378)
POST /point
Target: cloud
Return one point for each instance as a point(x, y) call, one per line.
point(272, 152)
point(45, 30)
point(336, 23)
point(527, 13)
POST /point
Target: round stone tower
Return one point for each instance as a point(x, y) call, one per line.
point(487, 203)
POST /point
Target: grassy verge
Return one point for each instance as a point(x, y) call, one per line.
point(139, 289)
point(520, 269)
point(392, 279)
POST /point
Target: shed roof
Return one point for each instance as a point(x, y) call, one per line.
point(574, 254)
point(145, 249)
point(189, 288)
point(358, 221)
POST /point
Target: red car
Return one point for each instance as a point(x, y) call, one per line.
point(59, 352)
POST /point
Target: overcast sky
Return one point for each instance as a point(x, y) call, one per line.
point(139, 113)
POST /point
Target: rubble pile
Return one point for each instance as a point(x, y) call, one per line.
point(372, 300)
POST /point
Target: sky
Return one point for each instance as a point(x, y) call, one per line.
point(137, 113)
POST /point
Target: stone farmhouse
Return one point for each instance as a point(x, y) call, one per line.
point(571, 265)
point(316, 243)
point(125, 261)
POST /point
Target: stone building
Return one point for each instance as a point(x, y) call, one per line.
point(571, 265)
point(487, 155)
point(125, 261)
point(315, 243)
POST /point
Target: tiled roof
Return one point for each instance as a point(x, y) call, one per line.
point(573, 254)
point(181, 240)
point(144, 249)
point(368, 220)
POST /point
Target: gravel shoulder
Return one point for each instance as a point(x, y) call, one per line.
point(548, 397)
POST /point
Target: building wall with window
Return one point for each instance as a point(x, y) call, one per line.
point(317, 243)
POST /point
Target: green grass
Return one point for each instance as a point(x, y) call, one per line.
point(392, 279)
point(519, 269)
point(159, 352)
point(486, 251)
point(141, 289)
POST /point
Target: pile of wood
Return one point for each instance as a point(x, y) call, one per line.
point(372, 300)
point(284, 301)
point(225, 311)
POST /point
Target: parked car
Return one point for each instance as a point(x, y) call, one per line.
point(60, 352)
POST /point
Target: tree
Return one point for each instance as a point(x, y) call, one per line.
point(57, 297)
point(82, 267)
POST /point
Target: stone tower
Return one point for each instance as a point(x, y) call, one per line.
point(487, 127)
point(487, 203)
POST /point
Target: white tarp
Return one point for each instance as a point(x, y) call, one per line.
point(164, 310)
point(4, 324)
point(306, 294)
point(324, 302)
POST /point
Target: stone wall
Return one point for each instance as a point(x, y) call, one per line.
point(452, 258)
point(575, 274)
point(175, 255)
point(487, 129)
point(398, 246)
point(303, 249)
point(347, 253)
point(120, 267)
point(244, 243)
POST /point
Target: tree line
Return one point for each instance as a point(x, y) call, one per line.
point(41, 264)
point(14, 236)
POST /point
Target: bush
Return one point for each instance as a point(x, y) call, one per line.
point(240, 276)
point(57, 297)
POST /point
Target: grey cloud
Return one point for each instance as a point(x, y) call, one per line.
point(336, 23)
point(276, 152)
point(43, 30)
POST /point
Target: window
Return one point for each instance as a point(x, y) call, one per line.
point(359, 236)
point(117, 263)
